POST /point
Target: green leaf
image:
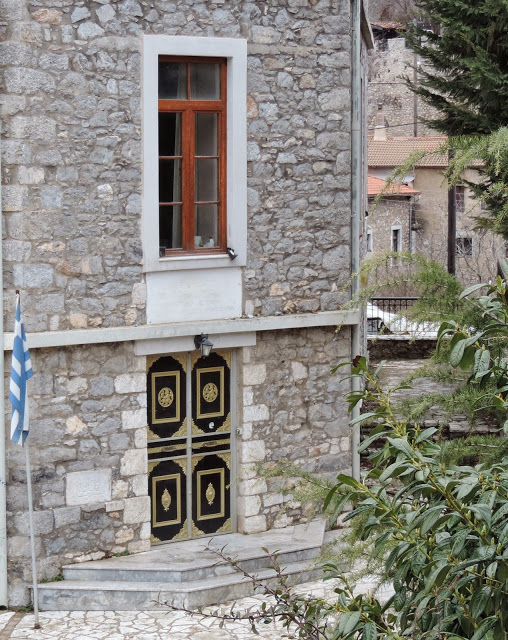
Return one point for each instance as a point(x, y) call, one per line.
point(389, 471)
point(342, 478)
point(499, 631)
point(430, 519)
point(402, 445)
point(425, 434)
point(442, 574)
point(482, 511)
point(491, 570)
point(369, 631)
point(482, 363)
point(368, 441)
point(348, 622)
point(468, 358)
point(502, 572)
point(485, 626)
point(479, 601)
point(457, 352)
point(337, 367)
point(362, 417)
point(459, 541)
point(418, 561)
point(470, 290)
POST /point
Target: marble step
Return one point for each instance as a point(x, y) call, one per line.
point(198, 559)
point(86, 595)
point(188, 574)
point(158, 573)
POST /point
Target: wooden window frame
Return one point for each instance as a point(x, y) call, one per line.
point(188, 108)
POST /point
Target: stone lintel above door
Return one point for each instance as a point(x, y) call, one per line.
point(186, 343)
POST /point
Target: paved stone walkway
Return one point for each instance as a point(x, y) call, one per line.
point(154, 625)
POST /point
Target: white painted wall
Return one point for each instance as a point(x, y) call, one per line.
point(187, 296)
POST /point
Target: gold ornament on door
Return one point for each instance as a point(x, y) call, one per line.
point(210, 494)
point(166, 500)
point(210, 392)
point(165, 397)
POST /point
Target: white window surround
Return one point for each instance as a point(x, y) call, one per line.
point(397, 248)
point(235, 50)
point(369, 240)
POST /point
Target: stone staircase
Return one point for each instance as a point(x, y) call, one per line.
point(185, 574)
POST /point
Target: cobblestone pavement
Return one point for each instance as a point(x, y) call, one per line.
point(154, 625)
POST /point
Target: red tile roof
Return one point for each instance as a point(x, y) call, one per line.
point(395, 151)
point(376, 185)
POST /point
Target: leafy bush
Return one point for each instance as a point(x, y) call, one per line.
point(449, 565)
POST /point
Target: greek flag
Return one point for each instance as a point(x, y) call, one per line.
point(21, 371)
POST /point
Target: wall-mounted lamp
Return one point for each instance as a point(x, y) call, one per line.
point(203, 344)
point(231, 253)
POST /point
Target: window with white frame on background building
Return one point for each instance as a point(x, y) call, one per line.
point(369, 241)
point(460, 199)
point(192, 155)
point(396, 239)
point(464, 246)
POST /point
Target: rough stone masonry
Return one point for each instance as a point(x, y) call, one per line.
point(71, 171)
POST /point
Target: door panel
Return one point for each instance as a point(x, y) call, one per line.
point(167, 397)
point(211, 401)
point(168, 488)
point(189, 461)
point(211, 504)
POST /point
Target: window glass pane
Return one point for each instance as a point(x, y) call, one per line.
point(460, 199)
point(170, 180)
point(206, 225)
point(170, 228)
point(205, 81)
point(206, 180)
point(172, 80)
point(206, 134)
point(170, 134)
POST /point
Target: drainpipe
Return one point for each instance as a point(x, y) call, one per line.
point(3, 477)
point(356, 202)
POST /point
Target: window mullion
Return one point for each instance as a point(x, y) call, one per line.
point(188, 180)
point(222, 150)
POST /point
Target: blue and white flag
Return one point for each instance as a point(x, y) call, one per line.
point(21, 372)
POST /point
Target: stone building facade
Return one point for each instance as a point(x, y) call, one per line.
point(389, 223)
point(389, 65)
point(103, 306)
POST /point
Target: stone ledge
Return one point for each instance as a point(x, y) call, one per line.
point(44, 339)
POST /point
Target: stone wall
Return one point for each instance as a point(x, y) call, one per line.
point(88, 446)
point(88, 452)
point(293, 411)
point(387, 70)
point(72, 159)
point(400, 348)
point(389, 211)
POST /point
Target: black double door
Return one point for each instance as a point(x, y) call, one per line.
point(189, 445)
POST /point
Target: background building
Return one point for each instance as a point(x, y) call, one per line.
point(425, 229)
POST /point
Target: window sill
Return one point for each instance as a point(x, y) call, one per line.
point(194, 261)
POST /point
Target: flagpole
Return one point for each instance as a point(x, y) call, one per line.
point(32, 537)
point(4, 599)
point(21, 372)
